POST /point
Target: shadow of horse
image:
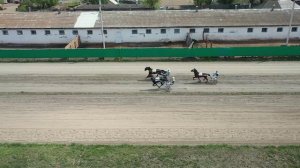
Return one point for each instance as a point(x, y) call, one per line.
point(195, 83)
point(151, 90)
point(144, 80)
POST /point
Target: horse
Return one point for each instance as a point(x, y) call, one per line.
point(200, 75)
point(156, 71)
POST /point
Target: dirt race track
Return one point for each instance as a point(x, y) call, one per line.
point(112, 103)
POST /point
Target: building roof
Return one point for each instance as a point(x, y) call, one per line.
point(223, 18)
point(287, 4)
point(38, 20)
point(132, 19)
point(282, 4)
point(269, 4)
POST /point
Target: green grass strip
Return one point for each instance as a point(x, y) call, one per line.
point(75, 155)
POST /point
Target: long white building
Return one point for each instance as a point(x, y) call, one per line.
point(147, 26)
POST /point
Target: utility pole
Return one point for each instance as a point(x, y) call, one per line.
point(290, 24)
point(101, 20)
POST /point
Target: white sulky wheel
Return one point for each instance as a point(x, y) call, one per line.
point(168, 86)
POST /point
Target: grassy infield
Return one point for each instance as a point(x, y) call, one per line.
point(55, 155)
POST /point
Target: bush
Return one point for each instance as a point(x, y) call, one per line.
point(36, 4)
point(151, 3)
point(73, 4)
point(22, 8)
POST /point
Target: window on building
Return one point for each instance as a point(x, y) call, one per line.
point(192, 30)
point(220, 30)
point(294, 29)
point(89, 32)
point(104, 31)
point(163, 31)
point(250, 30)
point(206, 30)
point(176, 31)
point(134, 31)
point(33, 32)
point(279, 29)
point(61, 32)
point(148, 31)
point(264, 29)
point(19, 32)
point(4, 32)
point(75, 32)
point(47, 32)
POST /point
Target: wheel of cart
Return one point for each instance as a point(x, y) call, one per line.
point(214, 77)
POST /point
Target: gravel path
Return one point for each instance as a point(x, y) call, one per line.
point(104, 103)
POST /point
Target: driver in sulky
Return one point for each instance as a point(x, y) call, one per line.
point(166, 74)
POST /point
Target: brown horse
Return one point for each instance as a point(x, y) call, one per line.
point(200, 75)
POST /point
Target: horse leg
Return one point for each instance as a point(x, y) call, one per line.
point(153, 81)
point(159, 85)
point(206, 79)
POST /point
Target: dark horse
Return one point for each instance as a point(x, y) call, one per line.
point(198, 75)
point(156, 71)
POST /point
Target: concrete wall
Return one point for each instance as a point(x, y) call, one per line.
point(125, 35)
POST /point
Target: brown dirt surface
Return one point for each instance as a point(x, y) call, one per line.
point(9, 8)
point(112, 103)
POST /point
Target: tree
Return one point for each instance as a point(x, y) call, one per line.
point(202, 2)
point(152, 3)
point(39, 4)
point(225, 1)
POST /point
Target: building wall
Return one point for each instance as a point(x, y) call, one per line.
point(127, 36)
point(39, 38)
point(241, 34)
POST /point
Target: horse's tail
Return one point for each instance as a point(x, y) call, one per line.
point(205, 74)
